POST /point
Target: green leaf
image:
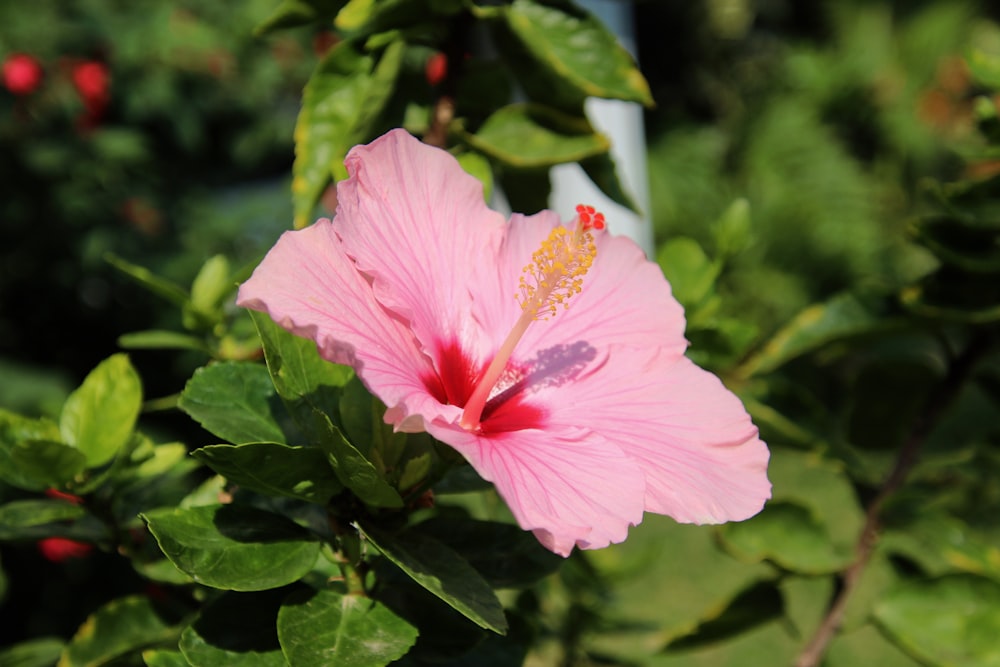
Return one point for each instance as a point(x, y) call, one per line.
point(444, 573)
point(505, 555)
point(531, 136)
point(235, 401)
point(30, 513)
point(788, 535)
point(967, 247)
point(170, 291)
point(367, 17)
point(40, 652)
point(116, 629)
point(326, 627)
point(15, 429)
point(236, 629)
point(844, 316)
point(573, 46)
point(340, 105)
point(162, 340)
point(688, 269)
point(295, 366)
point(161, 658)
point(274, 470)
point(754, 606)
point(292, 13)
point(210, 288)
point(954, 620)
point(955, 295)
point(47, 463)
point(354, 470)
point(99, 416)
point(476, 165)
point(234, 548)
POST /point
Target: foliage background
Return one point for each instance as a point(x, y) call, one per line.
point(797, 153)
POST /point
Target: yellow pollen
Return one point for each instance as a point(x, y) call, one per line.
point(554, 276)
point(556, 271)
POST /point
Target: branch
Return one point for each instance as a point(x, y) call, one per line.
point(940, 399)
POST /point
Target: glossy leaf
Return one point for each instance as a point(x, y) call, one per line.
point(788, 535)
point(292, 13)
point(574, 46)
point(339, 106)
point(294, 363)
point(444, 573)
point(531, 136)
point(353, 469)
point(99, 416)
point(236, 629)
point(234, 548)
point(326, 627)
point(116, 629)
point(954, 620)
point(235, 401)
point(274, 470)
point(505, 555)
point(21, 514)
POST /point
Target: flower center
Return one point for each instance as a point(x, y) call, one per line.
point(554, 275)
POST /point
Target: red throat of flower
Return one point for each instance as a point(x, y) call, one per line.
point(554, 275)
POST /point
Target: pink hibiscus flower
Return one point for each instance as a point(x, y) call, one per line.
point(583, 417)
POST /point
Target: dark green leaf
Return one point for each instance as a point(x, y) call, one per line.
point(29, 513)
point(235, 401)
point(602, 171)
point(504, 554)
point(954, 295)
point(575, 47)
point(16, 429)
point(444, 573)
point(234, 548)
point(41, 652)
point(967, 247)
point(788, 535)
point(236, 629)
point(274, 470)
point(116, 629)
point(354, 470)
point(326, 627)
point(954, 620)
point(47, 463)
point(530, 136)
point(752, 607)
point(339, 106)
point(99, 416)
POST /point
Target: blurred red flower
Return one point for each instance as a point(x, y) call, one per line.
point(60, 549)
point(22, 74)
point(436, 68)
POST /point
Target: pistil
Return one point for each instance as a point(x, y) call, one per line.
point(553, 277)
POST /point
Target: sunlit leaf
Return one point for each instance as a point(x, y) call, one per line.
point(235, 401)
point(116, 629)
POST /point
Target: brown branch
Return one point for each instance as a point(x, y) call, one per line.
point(938, 401)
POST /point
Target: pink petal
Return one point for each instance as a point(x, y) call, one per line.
point(308, 285)
point(417, 224)
point(625, 298)
point(700, 453)
point(569, 486)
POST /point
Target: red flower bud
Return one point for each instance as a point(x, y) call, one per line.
point(22, 74)
point(60, 549)
point(62, 495)
point(436, 68)
point(92, 81)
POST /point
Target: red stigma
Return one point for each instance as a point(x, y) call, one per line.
point(589, 218)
